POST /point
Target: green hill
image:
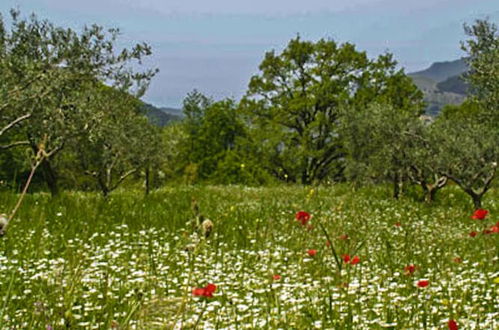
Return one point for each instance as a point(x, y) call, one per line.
point(162, 116)
point(454, 84)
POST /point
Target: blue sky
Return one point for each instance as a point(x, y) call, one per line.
point(216, 46)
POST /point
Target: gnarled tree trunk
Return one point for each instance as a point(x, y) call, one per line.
point(50, 177)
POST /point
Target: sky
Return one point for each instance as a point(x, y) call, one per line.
point(215, 46)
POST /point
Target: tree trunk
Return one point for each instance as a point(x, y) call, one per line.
point(476, 197)
point(305, 179)
point(50, 177)
point(103, 187)
point(477, 201)
point(430, 194)
point(148, 181)
point(429, 191)
point(396, 186)
point(426, 192)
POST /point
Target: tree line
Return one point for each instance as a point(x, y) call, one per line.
point(317, 112)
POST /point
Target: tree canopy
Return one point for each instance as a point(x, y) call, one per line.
point(293, 105)
point(50, 77)
point(482, 50)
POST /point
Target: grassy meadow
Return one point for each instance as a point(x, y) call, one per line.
point(82, 262)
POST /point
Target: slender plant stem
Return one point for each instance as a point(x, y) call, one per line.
point(338, 262)
point(23, 193)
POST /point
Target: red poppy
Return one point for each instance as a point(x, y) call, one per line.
point(355, 260)
point(198, 292)
point(302, 217)
point(312, 252)
point(452, 325)
point(479, 214)
point(457, 260)
point(493, 229)
point(472, 234)
point(276, 277)
point(207, 291)
point(397, 224)
point(343, 237)
point(410, 269)
point(346, 258)
point(210, 288)
point(423, 283)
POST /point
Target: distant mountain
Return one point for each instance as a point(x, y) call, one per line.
point(442, 84)
point(454, 84)
point(162, 116)
point(173, 111)
point(424, 84)
point(440, 71)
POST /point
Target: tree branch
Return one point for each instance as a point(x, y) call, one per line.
point(14, 144)
point(122, 178)
point(14, 122)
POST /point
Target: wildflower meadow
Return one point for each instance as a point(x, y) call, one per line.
point(288, 257)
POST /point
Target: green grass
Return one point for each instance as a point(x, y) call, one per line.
point(81, 261)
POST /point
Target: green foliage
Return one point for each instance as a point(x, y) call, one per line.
point(211, 152)
point(468, 154)
point(483, 61)
point(381, 142)
point(468, 135)
point(173, 139)
point(238, 167)
point(461, 145)
point(314, 110)
point(48, 77)
point(293, 106)
point(468, 110)
point(120, 144)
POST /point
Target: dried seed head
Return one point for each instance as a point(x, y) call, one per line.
point(4, 220)
point(206, 227)
point(190, 247)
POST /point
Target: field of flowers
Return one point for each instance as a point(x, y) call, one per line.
point(284, 257)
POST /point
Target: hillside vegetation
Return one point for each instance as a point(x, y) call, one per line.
point(161, 116)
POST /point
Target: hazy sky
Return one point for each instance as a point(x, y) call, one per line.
point(216, 45)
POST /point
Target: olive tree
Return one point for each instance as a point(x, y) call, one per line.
point(382, 144)
point(425, 167)
point(469, 134)
point(468, 155)
point(123, 143)
point(482, 49)
point(47, 75)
